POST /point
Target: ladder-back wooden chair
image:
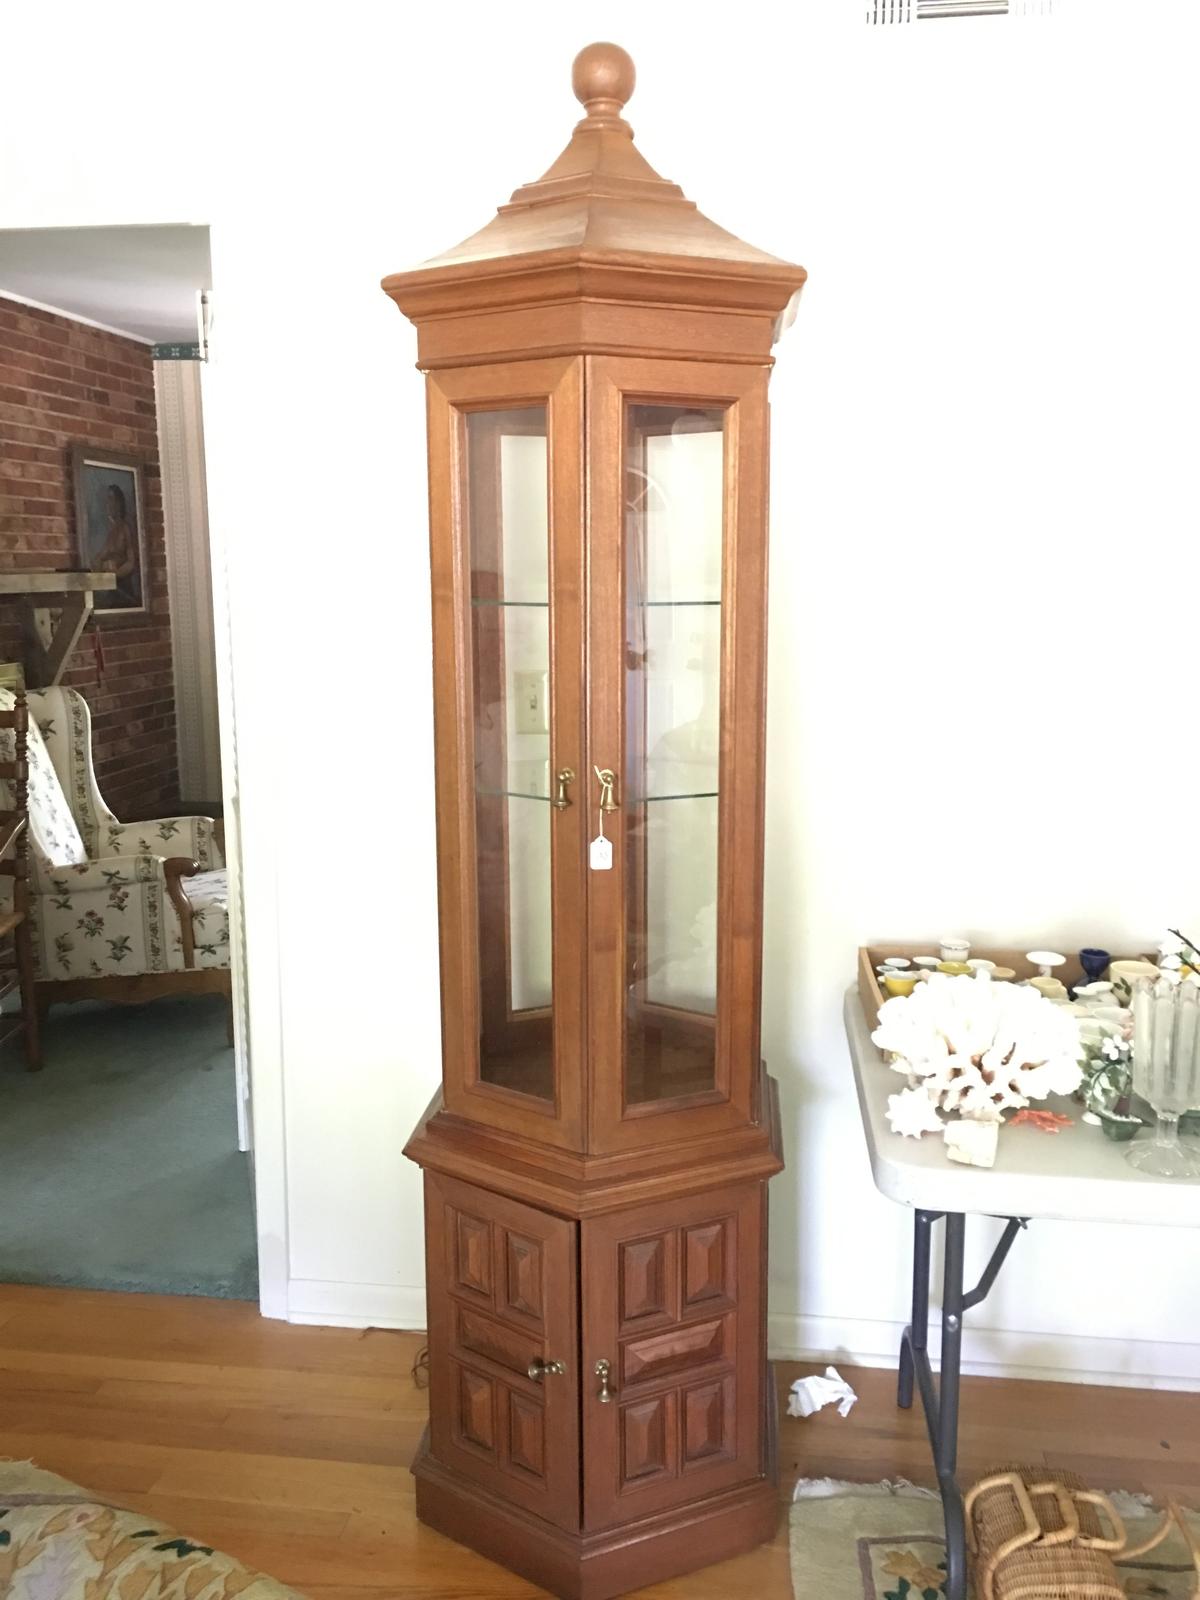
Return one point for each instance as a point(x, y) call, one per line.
point(17, 976)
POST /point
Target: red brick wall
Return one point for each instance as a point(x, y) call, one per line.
point(62, 382)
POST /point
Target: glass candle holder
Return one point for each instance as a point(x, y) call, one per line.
point(1166, 1072)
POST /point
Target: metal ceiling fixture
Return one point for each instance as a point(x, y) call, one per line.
point(884, 11)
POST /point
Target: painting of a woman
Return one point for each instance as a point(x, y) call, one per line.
point(108, 504)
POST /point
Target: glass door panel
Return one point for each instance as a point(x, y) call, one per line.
point(674, 519)
point(509, 553)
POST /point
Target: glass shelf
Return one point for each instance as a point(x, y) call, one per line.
point(636, 800)
point(644, 605)
point(512, 794)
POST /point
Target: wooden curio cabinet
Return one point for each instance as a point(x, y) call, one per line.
point(596, 1163)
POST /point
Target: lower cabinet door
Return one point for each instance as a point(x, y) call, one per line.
point(502, 1298)
point(673, 1304)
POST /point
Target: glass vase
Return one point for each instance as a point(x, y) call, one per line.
point(1166, 1072)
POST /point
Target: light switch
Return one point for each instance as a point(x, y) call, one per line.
point(533, 702)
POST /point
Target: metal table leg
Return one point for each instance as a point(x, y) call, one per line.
point(939, 1400)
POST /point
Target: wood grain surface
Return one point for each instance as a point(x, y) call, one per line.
point(289, 1446)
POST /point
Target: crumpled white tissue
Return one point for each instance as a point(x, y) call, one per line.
point(810, 1394)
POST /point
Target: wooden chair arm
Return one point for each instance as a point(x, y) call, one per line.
point(11, 829)
point(176, 868)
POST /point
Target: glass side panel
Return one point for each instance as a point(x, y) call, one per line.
point(508, 528)
point(673, 563)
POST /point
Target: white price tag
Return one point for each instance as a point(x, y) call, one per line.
point(600, 854)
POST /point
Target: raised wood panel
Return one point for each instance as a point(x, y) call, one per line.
point(487, 1337)
point(476, 1419)
point(472, 1272)
point(664, 1354)
point(705, 1253)
point(522, 1275)
point(706, 1408)
point(644, 1267)
point(647, 1439)
point(527, 1434)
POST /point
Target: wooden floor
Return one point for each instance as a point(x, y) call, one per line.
point(289, 1446)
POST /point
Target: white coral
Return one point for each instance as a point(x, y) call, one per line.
point(978, 1047)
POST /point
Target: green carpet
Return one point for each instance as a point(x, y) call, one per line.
point(119, 1166)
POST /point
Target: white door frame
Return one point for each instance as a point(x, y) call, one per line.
point(247, 746)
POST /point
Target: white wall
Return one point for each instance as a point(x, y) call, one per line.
point(983, 541)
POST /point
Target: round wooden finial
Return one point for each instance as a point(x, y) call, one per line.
point(603, 77)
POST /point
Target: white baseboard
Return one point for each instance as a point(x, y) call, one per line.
point(992, 1353)
point(334, 1304)
point(858, 1342)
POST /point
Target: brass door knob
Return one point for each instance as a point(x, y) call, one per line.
point(561, 798)
point(539, 1369)
point(605, 1393)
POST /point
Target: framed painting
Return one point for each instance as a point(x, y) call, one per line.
point(110, 518)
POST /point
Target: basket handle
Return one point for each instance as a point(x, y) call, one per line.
point(1173, 1516)
point(1030, 1534)
point(1118, 1539)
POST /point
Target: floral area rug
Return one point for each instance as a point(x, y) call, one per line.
point(885, 1542)
point(57, 1542)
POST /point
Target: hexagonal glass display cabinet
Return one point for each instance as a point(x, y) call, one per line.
point(596, 1162)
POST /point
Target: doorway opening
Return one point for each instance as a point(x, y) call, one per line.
point(128, 1163)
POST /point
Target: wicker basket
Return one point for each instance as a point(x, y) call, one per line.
point(1034, 1533)
point(1038, 1533)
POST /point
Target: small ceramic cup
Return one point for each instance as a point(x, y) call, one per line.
point(926, 963)
point(897, 983)
point(897, 963)
point(1003, 974)
point(956, 969)
point(978, 964)
point(1124, 974)
point(955, 949)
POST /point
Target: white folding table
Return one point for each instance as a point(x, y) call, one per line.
point(1075, 1176)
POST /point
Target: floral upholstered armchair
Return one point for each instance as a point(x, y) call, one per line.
point(121, 910)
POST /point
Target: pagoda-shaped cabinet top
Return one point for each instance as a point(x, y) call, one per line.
point(597, 364)
point(560, 266)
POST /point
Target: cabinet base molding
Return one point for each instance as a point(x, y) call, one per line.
point(595, 1566)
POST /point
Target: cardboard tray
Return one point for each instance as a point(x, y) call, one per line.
point(873, 994)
